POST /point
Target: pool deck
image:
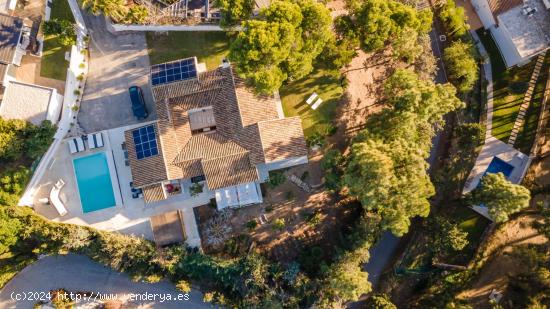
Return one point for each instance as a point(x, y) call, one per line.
point(496, 148)
point(130, 216)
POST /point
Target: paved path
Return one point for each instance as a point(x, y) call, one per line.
point(117, 62)
point(76, 273)
point(526, 99)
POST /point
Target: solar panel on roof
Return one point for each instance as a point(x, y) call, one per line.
point(173, 71)
point(145, 141)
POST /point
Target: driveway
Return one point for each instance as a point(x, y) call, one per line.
point(117, 62)
point(77, 273)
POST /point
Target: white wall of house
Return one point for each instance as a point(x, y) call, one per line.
point(264, 168)
point(484, 13)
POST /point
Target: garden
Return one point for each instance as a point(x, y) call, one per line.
point(509, 87)
point(209, 47)
point(54, 65)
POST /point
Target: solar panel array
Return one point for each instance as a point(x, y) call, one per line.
point(170, 72)
point(145, 140)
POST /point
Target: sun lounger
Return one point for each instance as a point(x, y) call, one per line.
point(311, 98)
point(95, 140)
point(55, 200)
point(317, 103)
point(72, 146)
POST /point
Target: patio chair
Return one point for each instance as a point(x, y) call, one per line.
point(317, 103)
point(95, 140)
point(80, 144)
point(72, 146)
point(55, 200)
point(311, 98)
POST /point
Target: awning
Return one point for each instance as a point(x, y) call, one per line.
point(240, 195)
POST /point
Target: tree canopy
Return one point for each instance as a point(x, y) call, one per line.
point(9, 230)
point(387, 168)
point(378, 21)
point(281, 43)
point(501, 197)
point(22, 139)
point(454, 19)
point(234, 11)
point(461, 65)
point(117, 10)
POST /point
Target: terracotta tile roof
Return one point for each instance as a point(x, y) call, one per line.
point(229, 171)
point(500, 6)
point(147, 170)
point(254, 107)
point(153, 193)
point(208, 146)
point(282, 138)
point(228, 155)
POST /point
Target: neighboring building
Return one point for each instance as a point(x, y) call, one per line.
point(520, 29)
point(7, 5)
point(211, 131)
point(32, 103)
point(10, 53)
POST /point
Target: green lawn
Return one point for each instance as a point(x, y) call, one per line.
point(527, 133)
point(508, 89)
point(208, 47)
point(295, 94)
point(53, 63)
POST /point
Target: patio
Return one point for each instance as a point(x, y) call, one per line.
point(130, 215)
point(496, 148)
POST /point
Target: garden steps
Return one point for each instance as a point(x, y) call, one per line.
point(526, 100)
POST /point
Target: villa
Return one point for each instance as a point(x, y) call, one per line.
point(521, 29)
point(213, 142)
point(211, 130)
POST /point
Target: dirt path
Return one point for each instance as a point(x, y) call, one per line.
point(501, 265)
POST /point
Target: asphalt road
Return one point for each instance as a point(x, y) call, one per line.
point(116, 63)
point(76, 273)
point(384, 250)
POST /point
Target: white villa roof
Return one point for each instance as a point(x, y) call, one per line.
point(530, 34)
point(27, 102)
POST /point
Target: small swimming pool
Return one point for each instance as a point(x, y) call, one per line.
point(499, 166)
point(94, 182)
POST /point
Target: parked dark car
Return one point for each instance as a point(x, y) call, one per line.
point(138, 103)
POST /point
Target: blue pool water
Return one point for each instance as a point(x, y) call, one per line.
point(499, 166)
point(94, 182)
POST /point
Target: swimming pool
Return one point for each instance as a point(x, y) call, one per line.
point(499, 166)
point(94, 182)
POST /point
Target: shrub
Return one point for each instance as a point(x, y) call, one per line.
point(251, 225)
point(183, 286)
point(276, 178)
point(76, 92)
point(74, 108)
point(313, 219)
point(278, 224)
point(195, 189)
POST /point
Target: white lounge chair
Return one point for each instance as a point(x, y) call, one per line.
point(72, 146)
point(55, 200)
point(311, 98)
point(95, 140)
point(80, 144)
point(317, 103)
